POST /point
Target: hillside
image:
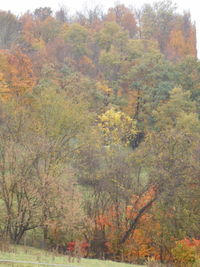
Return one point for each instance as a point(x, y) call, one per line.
point(21, 253)
point(100, 133)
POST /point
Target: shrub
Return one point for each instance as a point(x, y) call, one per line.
point(185, 252)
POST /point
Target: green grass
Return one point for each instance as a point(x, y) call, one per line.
point(21, 253)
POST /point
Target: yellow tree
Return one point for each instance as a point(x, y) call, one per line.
point(117, 127)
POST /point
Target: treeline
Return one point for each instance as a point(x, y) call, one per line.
point(100, 131)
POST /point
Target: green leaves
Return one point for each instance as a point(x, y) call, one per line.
point(77, 37)
point(56, 116)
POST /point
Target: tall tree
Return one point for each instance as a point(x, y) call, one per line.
point(10, 30)
point(124, 17)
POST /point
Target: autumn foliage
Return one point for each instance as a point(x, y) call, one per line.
point(100, 132)
point(16, 73)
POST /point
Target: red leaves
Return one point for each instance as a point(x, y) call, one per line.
point(126, 228)
point(190, 242)
point(186, 251)
point(103, 220)
point(138, 202)
point(71, 246)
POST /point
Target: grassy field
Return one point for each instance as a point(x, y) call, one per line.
point(20, 253)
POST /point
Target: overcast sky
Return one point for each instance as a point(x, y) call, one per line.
point(21, 6)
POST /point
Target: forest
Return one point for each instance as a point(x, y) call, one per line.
point(100, 132)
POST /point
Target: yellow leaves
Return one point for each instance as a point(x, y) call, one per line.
point(109, 59)
point(38, 44)
point(102, 86)
point(4, 89)
point(140, 47)
point(189, 123)
point(63, 31)
point(117, 127)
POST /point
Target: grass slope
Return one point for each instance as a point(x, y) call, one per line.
point(35, 255)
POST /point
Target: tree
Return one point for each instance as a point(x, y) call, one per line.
point(182, 40)
point(189, 77)
point(58, 123)
point(157, 21)
point(37, 143)
point(117, 127)
point(77, 38)
point(31, 39)
point(10, 30)
point(112, 35)
point(62, 14)
point(91, 18)
point(110, 63)
point(18, 188)
point(111, 177)
point(171, 149)
point(42, 13)
point(151, 77)
point(124, 17)
point(49, 29)
point(175, 33)
point(18, 73)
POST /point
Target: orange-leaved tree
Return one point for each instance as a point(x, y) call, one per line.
point(124, 228)
point(16, 72)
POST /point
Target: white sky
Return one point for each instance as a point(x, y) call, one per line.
point(21, 6)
